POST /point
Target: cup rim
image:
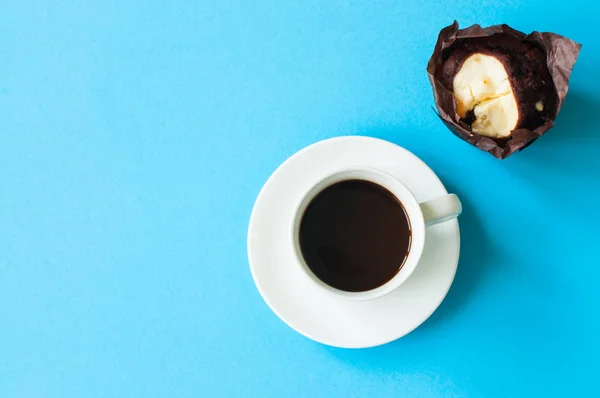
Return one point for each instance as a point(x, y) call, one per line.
point(402, 193)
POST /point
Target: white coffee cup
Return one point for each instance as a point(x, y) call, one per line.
point(420, 216)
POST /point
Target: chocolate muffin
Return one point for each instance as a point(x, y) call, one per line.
point(497, 88)
point(490, 68)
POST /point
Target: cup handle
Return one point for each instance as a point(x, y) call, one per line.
point(441, 209)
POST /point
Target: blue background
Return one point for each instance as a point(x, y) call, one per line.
point(135, 136)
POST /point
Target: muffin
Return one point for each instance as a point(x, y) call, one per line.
point(498, 88)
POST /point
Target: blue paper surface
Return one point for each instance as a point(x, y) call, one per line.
point(135, 136)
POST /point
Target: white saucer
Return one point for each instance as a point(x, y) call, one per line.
point(293, 296)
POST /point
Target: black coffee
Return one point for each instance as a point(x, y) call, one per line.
point(355, 235)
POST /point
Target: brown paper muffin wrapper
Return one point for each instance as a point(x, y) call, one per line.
point(561, 54)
